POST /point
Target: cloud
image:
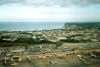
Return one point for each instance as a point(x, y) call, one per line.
point(2, 2)
point(62, 3)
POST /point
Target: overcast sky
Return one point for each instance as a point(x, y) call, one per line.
point(49, 10)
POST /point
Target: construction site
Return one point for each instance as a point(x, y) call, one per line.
point(22, 57)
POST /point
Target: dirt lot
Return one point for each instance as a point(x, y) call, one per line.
point(66, 61)
point(82, 45)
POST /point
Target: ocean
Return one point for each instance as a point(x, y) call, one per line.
point(30, 26)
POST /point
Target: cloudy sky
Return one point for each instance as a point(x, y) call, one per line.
point(49, 10)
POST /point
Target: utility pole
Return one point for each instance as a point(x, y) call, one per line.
point(5, 60)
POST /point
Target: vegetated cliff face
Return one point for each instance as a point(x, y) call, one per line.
point(86, 25)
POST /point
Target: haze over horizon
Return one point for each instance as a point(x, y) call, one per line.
point(49, 10)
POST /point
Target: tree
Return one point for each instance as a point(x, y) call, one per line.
point(58, 44)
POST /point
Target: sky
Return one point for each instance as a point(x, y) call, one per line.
point(49, 10)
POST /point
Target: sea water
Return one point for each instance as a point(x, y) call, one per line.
point(29, 26)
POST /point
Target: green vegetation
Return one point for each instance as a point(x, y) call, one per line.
point(71, 41)
point(27, 40)
point(58, 44)
point(7, 44)
point(23, 42)
point(31, 41)
point(87, 25)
